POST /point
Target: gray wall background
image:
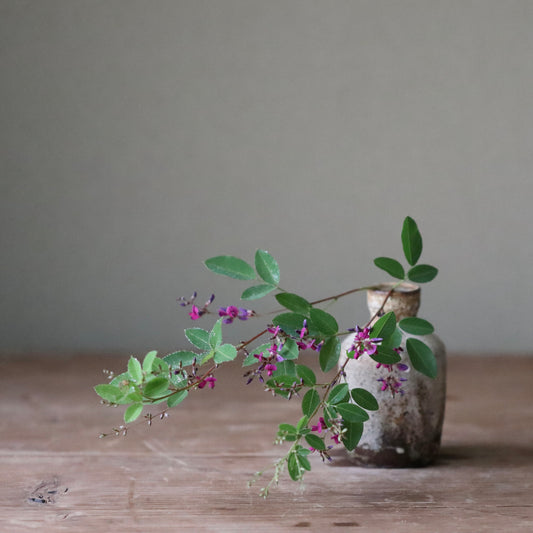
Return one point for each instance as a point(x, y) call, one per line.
point(139, 138)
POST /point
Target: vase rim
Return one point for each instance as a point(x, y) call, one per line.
point(404, 288)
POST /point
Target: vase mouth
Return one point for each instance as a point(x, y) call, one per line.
point(404, 288)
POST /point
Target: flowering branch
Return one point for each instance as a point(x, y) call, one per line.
point(300, 326)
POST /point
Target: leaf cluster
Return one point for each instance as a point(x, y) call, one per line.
point(158, 379)
point(412, 248)
point(266, 269)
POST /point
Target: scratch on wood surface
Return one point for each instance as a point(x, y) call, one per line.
point(156, 448)
point(47, 491)
point(131, 500)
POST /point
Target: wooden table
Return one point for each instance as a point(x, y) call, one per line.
point(190, 471)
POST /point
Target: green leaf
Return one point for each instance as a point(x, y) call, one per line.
point(256, 291)
point(300, 450)
point(287, 431)
point(267, 267)
point(156, 387)
point(250, 359)
point(177, 398)
point(148, 361)
point(391, 266)
point(324, 322)
point(302, 423)
point(315, 442)
point(310, 402)
point(416, 326)
point(290, 350)
point(133, 412)
point(365, 399)
point(303, 460)
point(339, 393)
point(109, 393)
point(422, 273)
point(160, 366)
point(230, 266)
point(290, 323)
point(385, 326)
point(394, 340)
point(119, 380)
point(293, 302)
point(422, 358)
point(132, 397)
point(411, 241)
point(135, 370)
point(351, 412)
point(198, 337)
point(286, 368)
point(329, 354)
point(226, 352)
point(352, 435)
point(181, 357)
point(215, 335)
point(386, 356)
point(304, 372)
point(294, 467)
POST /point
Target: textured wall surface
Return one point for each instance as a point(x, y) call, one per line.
point(139, 138)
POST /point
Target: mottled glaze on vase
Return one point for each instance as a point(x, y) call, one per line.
point(406, 430)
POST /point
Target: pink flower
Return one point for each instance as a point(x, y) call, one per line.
point(362, 343)
point(270, 369)
point(274, 331)
point(335, 439)
point(195, 313)
point(320, 426)
point(209, 381)
point(232, 312)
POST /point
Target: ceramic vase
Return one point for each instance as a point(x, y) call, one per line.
point(406, 429)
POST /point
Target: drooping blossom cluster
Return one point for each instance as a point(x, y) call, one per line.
point(392, 382)
point(335, 427)
point(267, 361)
point(363, 343)
point(231, 312)
point(196, 312)
point(308, 343)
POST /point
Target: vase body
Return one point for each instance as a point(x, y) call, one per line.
point(406, 429)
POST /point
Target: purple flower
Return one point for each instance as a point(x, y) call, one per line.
point(320, 426)
point(209, 381)
point(303, 331)
point(195, 313)
point(231, 313)
point(393, 384)
point(309, 345)
point(270, 368)
point(362, 343)
point(275, 352)
point(274, 331)
point(245, 314)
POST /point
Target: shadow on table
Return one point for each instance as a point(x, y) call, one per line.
point(492, 454)
point(482, 454)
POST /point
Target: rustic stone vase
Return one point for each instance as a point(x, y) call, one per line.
point(406, 430)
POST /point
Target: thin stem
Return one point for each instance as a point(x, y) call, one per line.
point(245, 343)
point(345, 293)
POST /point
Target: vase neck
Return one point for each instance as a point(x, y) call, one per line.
point(404, 300)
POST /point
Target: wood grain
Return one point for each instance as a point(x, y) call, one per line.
point(190, 471)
